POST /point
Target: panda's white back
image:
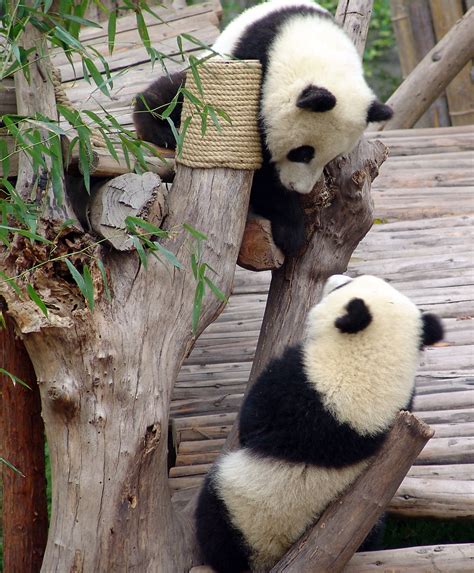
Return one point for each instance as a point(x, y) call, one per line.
point(272, 502)
point(232, 33)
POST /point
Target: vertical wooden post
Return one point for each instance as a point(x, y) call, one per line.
point(460, 92)
point(25, 519)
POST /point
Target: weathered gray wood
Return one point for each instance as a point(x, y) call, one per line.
point(331, 542)
point(428, 80)
point(128, 195)
point(109, 374)
point(354, 16)
point(36, 95)
point(441, 498)
point(452, 558)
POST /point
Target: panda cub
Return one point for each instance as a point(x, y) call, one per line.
point(314, 104)
point(311, 422)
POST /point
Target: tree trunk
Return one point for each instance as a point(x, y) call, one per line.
point(106, 379)
point(25, 518)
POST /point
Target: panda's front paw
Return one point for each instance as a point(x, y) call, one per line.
point(290, 239)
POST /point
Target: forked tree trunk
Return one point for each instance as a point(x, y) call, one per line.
point(106, 379)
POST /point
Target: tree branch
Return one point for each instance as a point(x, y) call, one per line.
point(431, 76)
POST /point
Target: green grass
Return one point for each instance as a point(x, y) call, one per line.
point(417, 531)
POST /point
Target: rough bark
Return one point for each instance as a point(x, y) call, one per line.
point(258, 252)
point(431, 76)
point(354, 16)
point(37, 96)
point(25, 519)
point(106, 381)
point(328, 546)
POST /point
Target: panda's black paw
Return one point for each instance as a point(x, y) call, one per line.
point(290, 239)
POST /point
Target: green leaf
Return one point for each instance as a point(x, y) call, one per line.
point(11, 466)
point(215, 290)
point(63, 36)
point(96, 76)
point(82, 21)
point(198, 295)
point(112, 29)
point(140, 250)
point(78, 278)
point(131, 221)
point(103, 272)
point(171, 257)
point(194, 266)
point(4, 158)
point(14, 378)
point(11, 282)
point(35, 297)
point(89, 286)
point(195, 73)
point(142, 30)
point(194, 232)
point(27, 234)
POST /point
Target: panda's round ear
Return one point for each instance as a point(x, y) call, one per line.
point(313, 98)
point(433, 330)
point(379, 111)
point(357, 317)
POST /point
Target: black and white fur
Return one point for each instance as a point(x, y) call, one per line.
point(314, 104)
point(311, 421)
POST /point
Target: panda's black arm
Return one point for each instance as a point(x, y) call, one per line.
point(156, 98)
point(282, 207)
point(283, 417)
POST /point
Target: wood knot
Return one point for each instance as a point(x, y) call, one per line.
point(63, 398)
point(152, 438)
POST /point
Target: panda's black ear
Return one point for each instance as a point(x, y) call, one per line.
point(356, 318)
point(378, 111)
point(433, 330)
point(316, 99)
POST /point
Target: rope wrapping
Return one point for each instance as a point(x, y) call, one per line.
point(233, 87)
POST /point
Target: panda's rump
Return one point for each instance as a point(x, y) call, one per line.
point(272, 502)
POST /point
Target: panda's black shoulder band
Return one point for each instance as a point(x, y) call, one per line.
point(356, 318)
point(432, 329)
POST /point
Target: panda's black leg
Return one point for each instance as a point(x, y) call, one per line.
point(222, 545)
point(151, 103)
point(283, 208)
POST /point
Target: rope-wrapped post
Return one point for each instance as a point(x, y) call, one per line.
point(233, 87)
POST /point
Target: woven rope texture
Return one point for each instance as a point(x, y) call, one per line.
point(234, 87)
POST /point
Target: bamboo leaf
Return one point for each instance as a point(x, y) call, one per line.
point(145, 225)
point(89, 286)
point(76, 275)
point(11, 466)
point(112, 29)
point(140, 250)
point(194, 232)
point(35, 297)
point(4, 158)
point(198, 295)
point(171, 257)
point(103, 273)
point(15, 380)
point(215, 290)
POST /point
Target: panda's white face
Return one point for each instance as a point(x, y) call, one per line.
point(315, 100)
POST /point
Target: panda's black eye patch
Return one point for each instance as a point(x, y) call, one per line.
point(302, 154)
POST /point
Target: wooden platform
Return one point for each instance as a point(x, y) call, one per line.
point(423, 243)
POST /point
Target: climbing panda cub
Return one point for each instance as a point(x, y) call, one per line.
point(314, 104)
point(311, 422)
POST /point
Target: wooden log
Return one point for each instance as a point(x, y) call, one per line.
point(428, 80)
point(104, 165)
point(24, 512)
point(404, 36)
point(452, 558)
point(354, 16)
point(457, 450)
point(258, 252)
point(425, 39)
point(331, 542)
point(35, 95)
point(454, 472)
point(127, 195)
point(440, 498)
point(460, 92)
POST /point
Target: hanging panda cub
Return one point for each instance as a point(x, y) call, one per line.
point(314, 104)
point(311, 422)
